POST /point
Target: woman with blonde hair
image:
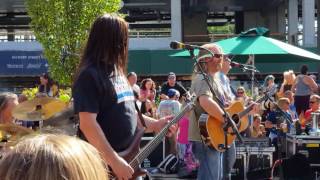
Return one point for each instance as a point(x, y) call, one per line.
point(288, 80)
point(52, 157)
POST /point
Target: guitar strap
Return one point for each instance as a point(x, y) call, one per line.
point(140, 115)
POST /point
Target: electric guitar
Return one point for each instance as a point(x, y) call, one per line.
point(135, 157)
point(211, 128)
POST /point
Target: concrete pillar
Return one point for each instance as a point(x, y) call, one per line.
point(318, 21)
point(253, 19)
point(239, 22)
point(195, 28)
point(308, 18)
point(10, 34)
point(176, 27)
point(281, 18)
point(292, 21)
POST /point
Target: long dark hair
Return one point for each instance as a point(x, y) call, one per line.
point(144, 82)
point(46, 88)
point(107, 45)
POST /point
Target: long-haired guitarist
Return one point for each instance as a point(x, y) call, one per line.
point(103, 97)
point(210, 159)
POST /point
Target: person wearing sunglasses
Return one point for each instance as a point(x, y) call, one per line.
point(209, 158)
point(314, 105)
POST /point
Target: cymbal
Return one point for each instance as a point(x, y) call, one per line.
point(38, 109)
point(12, 132)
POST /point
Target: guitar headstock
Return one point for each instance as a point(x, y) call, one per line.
point(190, 98)
point(271, 91)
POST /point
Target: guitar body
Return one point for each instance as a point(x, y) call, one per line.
point(130, 153)
point(212, 129)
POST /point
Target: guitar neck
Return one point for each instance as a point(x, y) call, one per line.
point(250, 107)
point(146, 151)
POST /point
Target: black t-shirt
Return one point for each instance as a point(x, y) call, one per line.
point(113, 102)
point(165, 88)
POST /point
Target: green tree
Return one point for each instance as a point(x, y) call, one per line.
point(63, 25)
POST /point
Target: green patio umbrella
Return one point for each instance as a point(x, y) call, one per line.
point(254, 42)
point(263, 49)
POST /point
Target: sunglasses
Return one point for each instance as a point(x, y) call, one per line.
point(217, 55)
point(240, 92)
point(311, 102)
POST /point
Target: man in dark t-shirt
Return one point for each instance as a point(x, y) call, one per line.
point(103, 98)
point(171, 84)
point(113, 102)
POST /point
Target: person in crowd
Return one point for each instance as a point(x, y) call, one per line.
point(278, 119)
point(132, 78)
point(147, 97)
point(257, 130)
point(171, 84)
point(302, 88)
point(242, 96)
point(225, 81)
point(52, 157)
point(170, 107)
point(314, 107)
point(229, 99)
point(47, 87)
point(103, 97)
point(288, 81)
point(8, 101)
point(147, 90)
point(269, 85)
point(147, 108)
point(22, 98)
point(292, 108)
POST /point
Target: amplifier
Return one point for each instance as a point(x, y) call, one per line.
point(306, 145)
point(156, 156)
point(238, 172)
point(254, 142)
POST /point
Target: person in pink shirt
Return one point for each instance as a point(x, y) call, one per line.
point(147, 90)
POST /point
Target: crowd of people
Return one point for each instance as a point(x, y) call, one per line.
point(108, 101)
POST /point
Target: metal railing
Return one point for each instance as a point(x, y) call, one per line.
point(18, 36)
point(149, 33)
point(23, 36)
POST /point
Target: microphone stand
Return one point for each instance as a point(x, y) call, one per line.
point(228, 121)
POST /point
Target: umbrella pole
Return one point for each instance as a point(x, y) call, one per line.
point(252, 79)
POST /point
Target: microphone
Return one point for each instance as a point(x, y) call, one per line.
point(244, 67)
point(179, 45)
point(235, 64)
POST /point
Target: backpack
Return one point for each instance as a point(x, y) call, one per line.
point(188, 166)
point(169, 164)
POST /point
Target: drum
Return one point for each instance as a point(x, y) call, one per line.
point(64, 122)
point(315, 131)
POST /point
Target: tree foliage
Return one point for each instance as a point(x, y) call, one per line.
point(63, 25)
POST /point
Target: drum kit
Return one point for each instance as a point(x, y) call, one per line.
point(53, 115)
